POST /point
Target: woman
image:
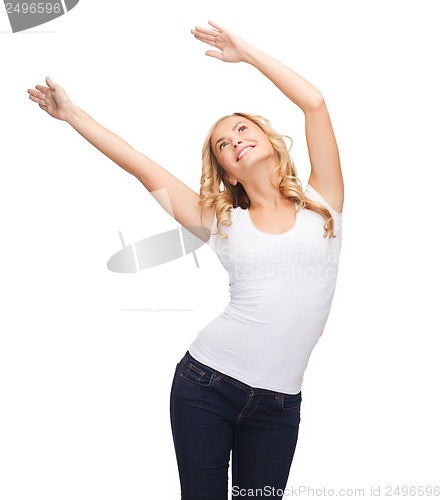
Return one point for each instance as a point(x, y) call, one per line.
point(238, 387)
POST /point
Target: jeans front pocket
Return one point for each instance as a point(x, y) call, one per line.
point(196, 375)
point(290, 402)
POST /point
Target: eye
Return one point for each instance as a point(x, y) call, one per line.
point(222, 145)
point(242, 128)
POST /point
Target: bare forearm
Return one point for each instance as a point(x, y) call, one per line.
point(114, 147)
point(297, 89)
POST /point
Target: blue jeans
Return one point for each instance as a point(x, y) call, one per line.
point(212, 414)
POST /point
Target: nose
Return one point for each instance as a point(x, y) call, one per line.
point(237, 143)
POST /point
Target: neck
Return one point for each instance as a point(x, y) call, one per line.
point(262, 193)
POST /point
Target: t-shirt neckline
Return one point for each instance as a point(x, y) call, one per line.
point(291, 229)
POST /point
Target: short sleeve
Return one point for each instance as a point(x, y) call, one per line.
point(315, 196)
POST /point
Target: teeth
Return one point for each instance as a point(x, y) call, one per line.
point(243, 152)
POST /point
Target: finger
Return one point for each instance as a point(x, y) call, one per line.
point(202, 34)
point(50, 83)
point(216, 26)
point(38, 100)
point(37, 94)
point(216, 54)
point(42, 89)
point(205, 31)
point(206, 39)
point(210, 41)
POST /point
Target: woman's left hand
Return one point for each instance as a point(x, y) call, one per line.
point(233, 48)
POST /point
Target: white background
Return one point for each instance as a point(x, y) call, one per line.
point(86, 362)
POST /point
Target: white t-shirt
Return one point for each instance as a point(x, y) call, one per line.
point(281, 291)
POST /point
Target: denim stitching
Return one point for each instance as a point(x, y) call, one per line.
point(250, 412)
point(200, 372)
point(284, 408)
point(198, 383)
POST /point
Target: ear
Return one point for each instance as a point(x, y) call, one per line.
point(230, 180)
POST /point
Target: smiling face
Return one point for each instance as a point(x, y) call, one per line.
point(238, 144)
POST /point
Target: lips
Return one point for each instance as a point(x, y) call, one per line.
point(243, 152)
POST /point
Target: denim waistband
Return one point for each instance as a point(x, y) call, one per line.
point(241, 385)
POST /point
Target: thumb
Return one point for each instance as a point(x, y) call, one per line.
point(50, 83)
point(216, 54)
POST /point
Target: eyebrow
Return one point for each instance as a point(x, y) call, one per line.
point(222, 138)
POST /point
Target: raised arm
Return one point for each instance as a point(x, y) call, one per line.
point(326, 174)
point(175, 197)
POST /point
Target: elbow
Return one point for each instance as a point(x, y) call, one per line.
point(315, 102)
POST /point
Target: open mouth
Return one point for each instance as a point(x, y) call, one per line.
point(244, 152)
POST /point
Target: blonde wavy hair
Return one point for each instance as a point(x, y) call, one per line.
point(288, 184)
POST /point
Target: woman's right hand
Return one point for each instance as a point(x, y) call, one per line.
point(231, 47)
point(52, 99)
